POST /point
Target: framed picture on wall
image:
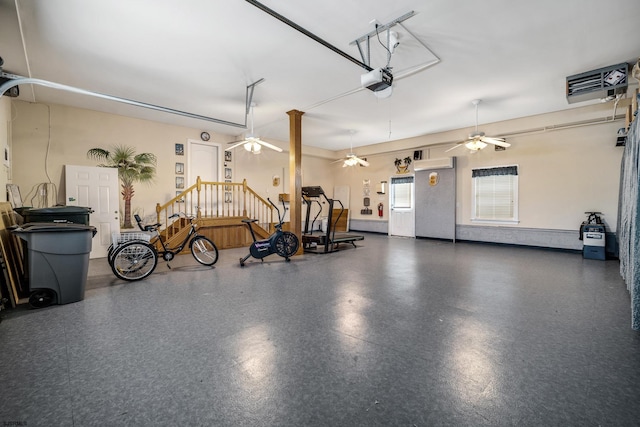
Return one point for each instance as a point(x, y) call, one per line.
point(227, 197)
point(179, 149)
point(227, 173)
point(227, 187)
point(227, 156)
point(179, 182)
point(179, 168)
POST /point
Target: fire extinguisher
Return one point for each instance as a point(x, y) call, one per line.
point(380, 209)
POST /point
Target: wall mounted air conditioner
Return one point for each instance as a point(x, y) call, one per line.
point(443, 163)
point(598, 84)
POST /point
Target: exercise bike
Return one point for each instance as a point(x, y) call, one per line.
point(283, 243)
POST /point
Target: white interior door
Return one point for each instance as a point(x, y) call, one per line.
point(402, 206)
point(96, 188)
point(204, 162)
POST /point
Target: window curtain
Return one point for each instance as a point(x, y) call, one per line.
point(402, 180)
point(503, 170)
point(628, 228)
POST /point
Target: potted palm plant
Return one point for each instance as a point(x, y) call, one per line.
point(131, 167)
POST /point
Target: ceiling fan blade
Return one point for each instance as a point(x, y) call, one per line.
point(495, 141)
point(266, 144)
point(362, 161)
point(460, 144)
point(237, 144)
point(337, 161)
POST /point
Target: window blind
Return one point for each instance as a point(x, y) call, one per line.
point(496, 192)
point(401, 192)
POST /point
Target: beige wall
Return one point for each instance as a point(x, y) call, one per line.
point(562, 172)
point(48, 137)
point(45, 138)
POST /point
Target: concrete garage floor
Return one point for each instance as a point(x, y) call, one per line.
point(395, 332)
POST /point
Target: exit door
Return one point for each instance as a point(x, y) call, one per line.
point(402, 206)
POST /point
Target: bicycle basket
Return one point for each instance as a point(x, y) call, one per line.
point(120, 238)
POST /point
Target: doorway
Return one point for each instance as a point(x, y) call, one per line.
point(203, 162)
point(99, 189)
point(402, 206)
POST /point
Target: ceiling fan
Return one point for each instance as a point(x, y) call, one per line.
point(251, 142)
point(351, 159)
point(477, 140)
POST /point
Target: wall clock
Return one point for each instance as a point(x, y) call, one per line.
point(205, 136)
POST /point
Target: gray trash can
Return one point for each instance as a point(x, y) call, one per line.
point(58, 261)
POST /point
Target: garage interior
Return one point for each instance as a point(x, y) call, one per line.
point(440, 314)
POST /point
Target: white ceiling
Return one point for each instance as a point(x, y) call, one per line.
point(199, 55)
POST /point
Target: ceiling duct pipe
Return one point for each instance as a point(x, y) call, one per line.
point(15, 80)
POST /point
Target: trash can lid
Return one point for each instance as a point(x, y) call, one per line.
point(39, 227)
point(59, 210)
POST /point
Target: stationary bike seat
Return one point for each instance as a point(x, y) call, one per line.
point(246, 221)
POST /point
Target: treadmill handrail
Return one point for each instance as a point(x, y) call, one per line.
point(333, 236)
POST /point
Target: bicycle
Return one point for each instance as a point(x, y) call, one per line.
point(283, 243)
point(137, 259)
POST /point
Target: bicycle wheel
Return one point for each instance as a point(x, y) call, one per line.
point(204, 250)
point(110, 252)
point(134, 260)
point(287, 244)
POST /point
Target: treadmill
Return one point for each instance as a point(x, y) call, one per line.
point(321, 242)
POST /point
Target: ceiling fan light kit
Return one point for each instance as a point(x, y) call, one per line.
point(350, 162)
point(475, 145)
point(351, 159)
point(477, 140)
point(252, 147)
point(252, 143)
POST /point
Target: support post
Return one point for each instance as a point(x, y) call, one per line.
point(295, 174)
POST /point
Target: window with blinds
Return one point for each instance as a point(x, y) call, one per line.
point(495, 194)
point(401, 194)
